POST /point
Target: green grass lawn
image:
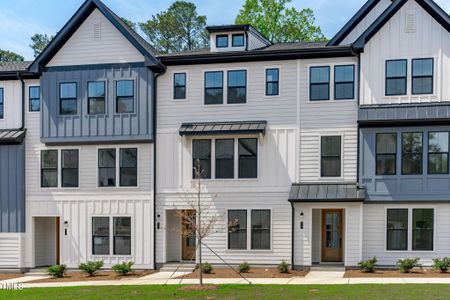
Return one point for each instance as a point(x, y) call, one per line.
point(272, 292)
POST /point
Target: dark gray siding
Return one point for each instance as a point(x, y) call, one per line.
point(82, 128)
point(399, 187)
point(12, 188)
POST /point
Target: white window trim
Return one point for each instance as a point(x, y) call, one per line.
point(279, 82)
point(59, 171)
point(111, 236)
point(319, 174)
point(173, 86)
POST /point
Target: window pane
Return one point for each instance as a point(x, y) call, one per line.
point(68, 107)
point(344, 73)
point(100, 236)
point(396, 68)
point(272, 88)
point(96, 105)
point(422, 85)
point(68, 90)
point(49, 159)
point(320, 74)
point(222, 41)
point(225, 158)
point(122, 226)
point(128, 157)
point(320, 92)
point(397, 229)
point(423, 222)
point(386, 143)
point(201, 152)
point(331, 145)
point(1, 96)
point(237, 229)
point(238, 40)
point(49, 178)
point(412, 153)
point(107, 177)
point(96, 89)
point(237, 78)
point(125, 104)
point(330, 156)
point(213, 79)
point(128, 167)
point(125, 88)
point(396, 86)
point(248, 158)
point(422, 67)
point(69, 164)
point(344, 91)
point(107, 157)
point(260, 229)
point(272, 74)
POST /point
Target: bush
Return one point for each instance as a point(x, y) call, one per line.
point(207, 268)
point(244, 267)
point(57, 271)
point(407, 264)
point(368, 266)
point(441, 265)
point(283, 267)
point(91, 267)
point(123, 268)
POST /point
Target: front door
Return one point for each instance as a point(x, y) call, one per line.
point(332, 235)
point(188, 238)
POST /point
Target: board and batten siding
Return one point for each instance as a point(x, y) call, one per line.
point(428, 39)
point(97, 41)
point(12, 104)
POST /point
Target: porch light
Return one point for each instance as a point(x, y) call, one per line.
point(301, 215)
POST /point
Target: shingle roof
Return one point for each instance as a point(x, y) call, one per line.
point(12, 136)
point(205, 128)
point(14, 66)
point(327, 192)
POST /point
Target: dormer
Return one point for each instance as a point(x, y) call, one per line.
point(226, 38)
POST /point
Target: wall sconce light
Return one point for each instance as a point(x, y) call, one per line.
point(301, 215)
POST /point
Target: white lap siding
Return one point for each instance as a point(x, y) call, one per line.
point(11, 250)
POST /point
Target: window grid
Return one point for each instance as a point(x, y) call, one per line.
point(49, 168)
point(344, 83)
point(272, 82)
point(96, 97)
point(237, 88)
point(68, 98)
point(124, 96)
point(331, 158)
point(179, 86)
point(319, 84)
point(213, 87)
point(107, 167)
point(422, 77)
point(34, 98)
point(396, 78)
point(100, 236)
point(69, 168)
point(128, 166)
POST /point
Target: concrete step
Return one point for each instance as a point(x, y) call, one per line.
point(37, 272)
point(178, 267)
point(327, 268)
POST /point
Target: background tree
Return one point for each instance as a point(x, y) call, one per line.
point(131, 24)
point(8, 56)
point(278, 23)
point(40, 41)
point(179, 28)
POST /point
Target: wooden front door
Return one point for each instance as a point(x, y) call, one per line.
point(188, 242)
point(332, 229)
point(58, 240)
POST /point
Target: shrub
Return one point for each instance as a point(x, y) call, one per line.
point(283, 267)
point(407, 264)
point(207, 268)
point(244, 267)
point(57, 271)
point(368, 266)
point(91, 267)
point(441, 265)
point(123, 268)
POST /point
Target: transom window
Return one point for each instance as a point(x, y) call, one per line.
point(49, 168)
point(237, 86)
point(272, 81)
point(179, 86)
point(102, 239)
point(344, 82)
point(396, 73)
point(2, 103)
point(238, 40)
point(319, 83)
point(69, 168)
point(214, 87)
point(259, 228)
point(386, 154)
point(34, 98)
point(96, 97)
point(438, 143)
point(412, 152)
point(68, 98)
point(124, 96)
point(222, 41)
point(330, 156)
point(422, 76)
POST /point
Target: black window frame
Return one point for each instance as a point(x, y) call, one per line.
point(235, 230)
point(311, 84)
point(274, 82)
point(128, 97)
point(221, 88)
point(384, 154)
point(253, 229)
point(219, 36)
point(34, 99)
point(63, 99)
point(352, 82)
point(103, 236)
point(242, 158)
point(429, 153)
point(412, 153)
point(218, 173)
point(405, 78)
point(405, 231)
point(177, 87)
point(230, 87)
point(2, 103)
point(194, 159)
point(416, 230)
point(109, 167)
point(53, 169)
point(422, 76)
point(122, 235)
point(95, 98)
point(63, 168)
point(322, 156)
point(124, 169)
point(233, 44)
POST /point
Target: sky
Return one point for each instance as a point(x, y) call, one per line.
point(20, 19)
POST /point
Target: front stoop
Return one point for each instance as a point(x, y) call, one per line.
point(184, 267)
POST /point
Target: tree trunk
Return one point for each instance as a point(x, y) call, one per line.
point(199, 234)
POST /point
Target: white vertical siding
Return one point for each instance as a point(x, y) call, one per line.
point(12, 107)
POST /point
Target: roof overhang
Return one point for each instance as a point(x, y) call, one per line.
point(223, 128)
point(326, 192)
point(11, 136)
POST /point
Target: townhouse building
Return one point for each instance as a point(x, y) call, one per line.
point(310, 152)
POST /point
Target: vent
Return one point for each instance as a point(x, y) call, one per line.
point(410, 26)
point(97, 31)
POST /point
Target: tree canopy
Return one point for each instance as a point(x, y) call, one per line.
point(8, 56)
point(40, 41)
point(278, 22)
point(130, 24)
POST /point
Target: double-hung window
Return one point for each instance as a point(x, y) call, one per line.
point(224, 158)
point(120, 239)
point(412, 152)
point(100, 236)
point(124, 96)
point(397, 229)
point(128, 167)
point(96, 97)
point(201, 155)
point(386, 155)
point(214, 87)
point(34, 98)
point(179, 86)
point(248, 158)
point(49, 168)
point(259, 228)
point(344, 82)
point(438, 152)
point(69, 168)
point(237, 86)
point(422, 76)
point(272, 81)
point(422, 229)
point(222, 41)
point(319, 86)
point(237, 40)
point(237, 229)
point(396, 73)
point(106, 167)
point(2, 103)
point(330, 156)
point(122, 236)
point(68, 104)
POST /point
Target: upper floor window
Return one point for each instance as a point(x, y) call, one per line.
point(319, 83)
point(237, 86)
point(438, 152)
point(125, 96)
point(214, 87)
point(344, 82)
point(422, 76)
point(49, 168)
point(179, 86)
point(69, 168)
point(107, 167)
point(272, 81)
point(96, 97)
point(34, 98)
point(330, 156)
point(396, 73)
point(2, 105)
point(222, 41)
point(128, 167)
point(238, 40)
point(68, 98)
point(386, 154)
point(412, 150)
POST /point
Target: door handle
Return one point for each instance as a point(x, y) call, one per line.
point(340, 243)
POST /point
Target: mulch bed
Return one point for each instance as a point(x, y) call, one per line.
point(10, 276)
point(102, 275)
point(253, 273)
point(418, 273)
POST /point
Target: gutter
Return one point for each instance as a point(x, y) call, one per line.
point(22, 83)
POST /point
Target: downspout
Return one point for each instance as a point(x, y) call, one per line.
point(358, 143)
point(22, 125)
point(293, 235)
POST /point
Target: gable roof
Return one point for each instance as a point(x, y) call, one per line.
point(428, 5)
point(75, 22)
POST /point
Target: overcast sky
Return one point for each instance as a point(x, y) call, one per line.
point(20, 19)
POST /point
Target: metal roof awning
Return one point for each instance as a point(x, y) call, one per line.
point(12, 136)
point(223, 128)
point(327, 192)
